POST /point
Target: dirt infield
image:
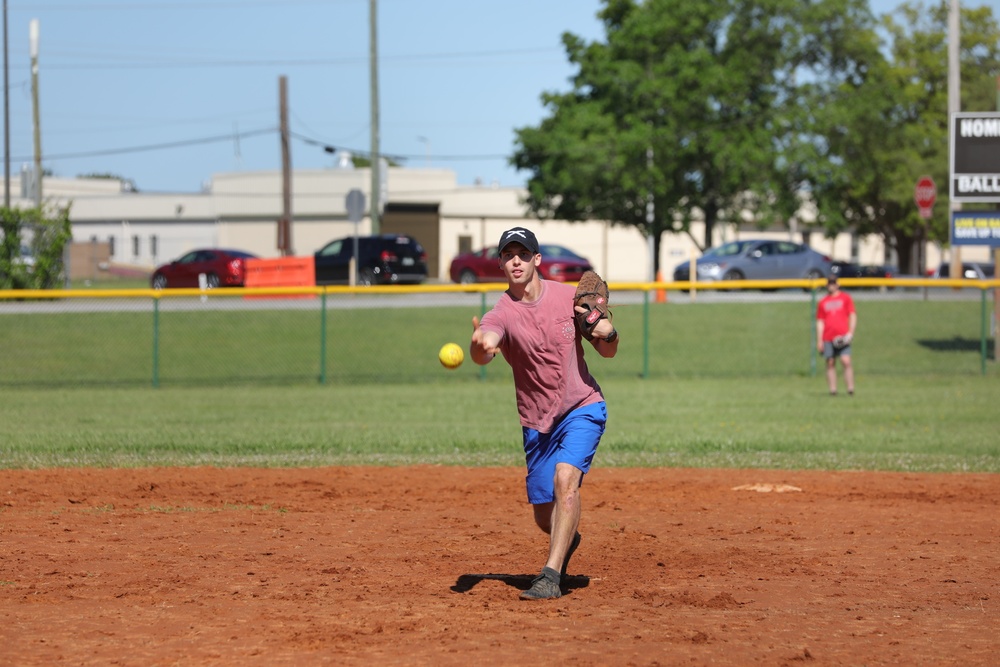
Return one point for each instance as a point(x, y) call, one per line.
point(423, 565)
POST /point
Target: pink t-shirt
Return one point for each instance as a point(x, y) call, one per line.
point(835, 311)
point(541, 343)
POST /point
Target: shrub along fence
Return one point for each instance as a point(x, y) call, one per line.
point(342, 335)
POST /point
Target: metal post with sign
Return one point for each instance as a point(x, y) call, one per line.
point(975, 177)
point(975, 157)
point(355, 204)
point(924, 194)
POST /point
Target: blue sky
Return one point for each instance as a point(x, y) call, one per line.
point(158, 90)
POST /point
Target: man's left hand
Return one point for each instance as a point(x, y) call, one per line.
point(602, 329)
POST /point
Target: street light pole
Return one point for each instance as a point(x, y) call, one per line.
point(376, 204)
point(33, 31)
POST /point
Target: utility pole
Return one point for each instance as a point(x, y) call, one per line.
point(376, 204)
point(33, 31)
point(285, 221)
point(6, 115)
point(954, 106)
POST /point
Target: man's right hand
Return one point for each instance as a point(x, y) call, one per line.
point(483, 347)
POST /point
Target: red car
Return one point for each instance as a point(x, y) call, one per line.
point(222, 268)
point(558, 263)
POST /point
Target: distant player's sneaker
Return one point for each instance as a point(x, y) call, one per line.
point(569, 554)
point(544, 587)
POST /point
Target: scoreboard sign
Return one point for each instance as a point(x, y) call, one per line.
point(975, 157)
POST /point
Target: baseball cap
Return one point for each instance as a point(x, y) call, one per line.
point(518, 235)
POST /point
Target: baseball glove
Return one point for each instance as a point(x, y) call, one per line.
point(593, 296)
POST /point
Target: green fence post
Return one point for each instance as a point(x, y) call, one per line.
point(812, 333)
point(645, 333)
point(983, 329)
point(156, 341)
point(322, 339)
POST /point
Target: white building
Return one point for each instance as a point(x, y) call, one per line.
point(240, 210)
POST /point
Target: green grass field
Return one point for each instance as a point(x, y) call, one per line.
point(111, 345)
point(727, 385)
point(929, 423)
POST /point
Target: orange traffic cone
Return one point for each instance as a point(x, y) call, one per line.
point(661, 294)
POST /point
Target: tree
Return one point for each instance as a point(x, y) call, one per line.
point(51, 231)
point(886, 127)
point(684, 109)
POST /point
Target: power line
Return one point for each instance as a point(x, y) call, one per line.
point(408, 59)
point(186, 6)
point(329, 147)
point(156, 147)
point(399, 157)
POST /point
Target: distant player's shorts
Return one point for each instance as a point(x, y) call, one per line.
point(574, 441)
point(830, 351)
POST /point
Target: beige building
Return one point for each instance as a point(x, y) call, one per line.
point(240, 210)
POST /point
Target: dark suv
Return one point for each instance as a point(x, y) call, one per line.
point(386, 259)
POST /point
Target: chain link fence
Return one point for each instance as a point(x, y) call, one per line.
point(391, 335)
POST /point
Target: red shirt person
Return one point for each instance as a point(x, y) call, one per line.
point(836, 321)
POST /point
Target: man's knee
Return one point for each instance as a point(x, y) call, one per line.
point(567, 479)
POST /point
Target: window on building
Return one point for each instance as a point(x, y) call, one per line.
point(111, 245)
point(153, 249)
point(135, 245)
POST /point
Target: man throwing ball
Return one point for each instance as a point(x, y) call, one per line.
point(535, 327)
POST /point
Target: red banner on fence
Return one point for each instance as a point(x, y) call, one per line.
point(281, 272)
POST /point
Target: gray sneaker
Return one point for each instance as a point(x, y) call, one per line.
point(569, 554)
point(544, 587)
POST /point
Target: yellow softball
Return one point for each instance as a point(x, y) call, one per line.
point(451, 355)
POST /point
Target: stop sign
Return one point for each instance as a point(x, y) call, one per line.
point(925, 194)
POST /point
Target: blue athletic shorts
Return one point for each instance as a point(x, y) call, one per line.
point(574, 440)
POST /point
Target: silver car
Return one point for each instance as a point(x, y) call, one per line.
point(758, 260)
